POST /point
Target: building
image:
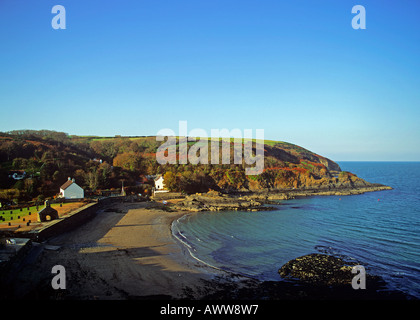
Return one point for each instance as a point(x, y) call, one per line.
point(160, 184)
point(47, 213)
point(70, 190)
point(17, 174)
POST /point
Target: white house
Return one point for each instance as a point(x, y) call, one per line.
point(70, 190)
point(160, 184)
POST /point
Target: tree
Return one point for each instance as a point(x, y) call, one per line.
point(92, 179)
point(30, 187)
point(19, 163)
point(79, 176)
point(106, 149)
point(105, 171)
point(10, 148)
point(134, 147)
point(170, 179)
point(56, 176)
point(32, 167)
point(128, 161)
point(9, 194)
point(19, 185)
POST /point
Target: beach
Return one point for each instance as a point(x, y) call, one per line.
point(126, 251)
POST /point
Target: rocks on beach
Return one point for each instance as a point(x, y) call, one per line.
point(323, 270)
point(215, 201)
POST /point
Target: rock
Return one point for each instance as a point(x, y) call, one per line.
point(215, 201)
point(279, 196)
point(321, 269)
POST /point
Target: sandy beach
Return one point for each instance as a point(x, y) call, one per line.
point(126, 251)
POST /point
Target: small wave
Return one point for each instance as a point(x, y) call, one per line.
point(181, 234)
point(182, 241)
point(188, 247)
point(398, 274)
point(326, 249)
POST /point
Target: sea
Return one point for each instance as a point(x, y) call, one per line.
point(379, 230)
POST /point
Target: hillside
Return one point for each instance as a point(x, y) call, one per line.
point(48, 158)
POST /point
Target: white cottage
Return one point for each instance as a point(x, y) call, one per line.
point(70, 190)
point(159, 183)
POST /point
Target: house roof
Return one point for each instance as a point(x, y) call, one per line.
point(67, 184)
point(158, 177)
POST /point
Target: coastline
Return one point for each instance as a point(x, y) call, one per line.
point(256, 200)
point(128, 252)
point(284, 194)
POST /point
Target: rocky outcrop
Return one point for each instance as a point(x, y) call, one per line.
point(323, 270)
point(258, 200)
point(269, 195)
point(337, 192)
point(215, 201)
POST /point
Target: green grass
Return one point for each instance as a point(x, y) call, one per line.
point(94, 138)
point(272, 142)
point(113, 138)
point(25, 212)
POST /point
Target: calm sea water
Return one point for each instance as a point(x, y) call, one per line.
point(381, 230)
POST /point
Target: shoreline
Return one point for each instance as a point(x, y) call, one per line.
point(247, 200)
point(307, 192)
point(128, 251)
point(188, 255)
point(185, 247)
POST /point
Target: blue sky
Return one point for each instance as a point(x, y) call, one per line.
point(296, 69)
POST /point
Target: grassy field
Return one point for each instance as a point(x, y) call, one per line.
point(93, 138)
point(11, 215)
point(113, 138)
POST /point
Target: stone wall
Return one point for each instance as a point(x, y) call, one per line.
point(167, 195)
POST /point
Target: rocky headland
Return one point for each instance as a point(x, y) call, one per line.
point(260, 200)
